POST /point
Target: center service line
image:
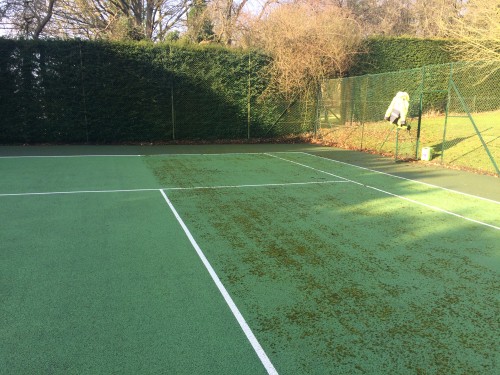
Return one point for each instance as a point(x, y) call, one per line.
point(234, 309)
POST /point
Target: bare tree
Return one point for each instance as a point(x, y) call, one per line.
point(308, 41)
point(420, 18)
point(7, 9)
point(244, 20)
point(199, 24)
point(27, 18)
point(477, 28)
point(224, 15)
point(428, 15)
point(120, 19)
point(93, 19)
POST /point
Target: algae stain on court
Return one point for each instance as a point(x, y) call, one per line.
point(332, 283)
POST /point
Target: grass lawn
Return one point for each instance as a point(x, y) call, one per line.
point(458, 144)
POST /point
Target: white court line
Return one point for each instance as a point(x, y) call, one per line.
point(402, 178)
point(434, 208)
point(132, 155)
point(290, 161)
point(395, 195)
point(74, 192)
point(171, 188)
point(315, 169)
point(256, 185)
point(234, 309)
point(143, 155)
point(261, 153)
point(66, 156)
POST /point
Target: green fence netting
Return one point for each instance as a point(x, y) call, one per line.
point(454, 110)
point(88, 92)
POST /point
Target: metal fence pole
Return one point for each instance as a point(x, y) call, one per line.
point(249, 96)
point(442, 110)
point(464, 106)
point(85, 119)
point(172, 104)
point(420, 110)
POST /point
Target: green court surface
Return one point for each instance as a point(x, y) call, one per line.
point(240, 260)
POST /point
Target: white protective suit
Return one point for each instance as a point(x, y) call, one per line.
point(397, 111)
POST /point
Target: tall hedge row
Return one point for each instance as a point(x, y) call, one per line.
point(95, 92)
point(381, 55)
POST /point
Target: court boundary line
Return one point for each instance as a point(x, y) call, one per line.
point(65, 156)
point(256, 185)
point(400, 177)
point(232, 306)
point(434, 208)
point(137, 155)
point(260, 153)
point(141, 155)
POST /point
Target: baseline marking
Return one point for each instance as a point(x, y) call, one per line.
point(139, 155)
point(66, 156)
point(395, 195)
point(234, 309)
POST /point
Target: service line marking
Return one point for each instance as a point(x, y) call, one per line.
point(435, 208)
point(75, 192)
point(172, 188)
point(400, 177)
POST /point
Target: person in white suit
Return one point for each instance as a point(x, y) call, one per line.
point(398, 109)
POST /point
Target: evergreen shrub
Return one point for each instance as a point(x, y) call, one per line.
point(107, 92)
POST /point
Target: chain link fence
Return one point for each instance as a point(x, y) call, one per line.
point(88, 92)
point(454, 114)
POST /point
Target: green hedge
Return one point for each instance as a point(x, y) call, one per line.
point(96, 92)
point(389, 65)
point(381, 55)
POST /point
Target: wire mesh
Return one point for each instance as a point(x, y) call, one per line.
point(84, 92)
point(454, 109)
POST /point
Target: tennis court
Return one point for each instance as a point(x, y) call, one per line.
point(237, 260)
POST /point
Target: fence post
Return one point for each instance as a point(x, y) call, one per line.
point(397, 144)
point(173, 106)
point(419, 126)
point(84, 94)
point(464, 106)
point(446, 113)
point(249, 96)
point(420, 110)
point(363, 117)
point(172, 94)
point(317, 115)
